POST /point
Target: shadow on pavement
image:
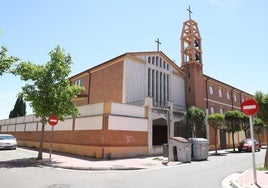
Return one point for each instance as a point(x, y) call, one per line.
point(22, 163)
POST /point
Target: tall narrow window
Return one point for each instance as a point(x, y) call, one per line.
point(153, 84)
point(168, 85)
point(228, 95)
point(212, 111)
point(210, 90)
point(157, 87)
point(149, 83)
point(165, 88)
point(235, 98)
point(161, 88)
point(220, 93)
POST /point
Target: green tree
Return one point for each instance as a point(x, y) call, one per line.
point(19, 108)
point(262, 113)
point(216, 122)
point(233, 121)
point(196, 120)
point(6, 61)
point(259, 127)
point(48, 90)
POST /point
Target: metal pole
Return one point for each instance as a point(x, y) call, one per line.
point(253, 149)
point(51, 142)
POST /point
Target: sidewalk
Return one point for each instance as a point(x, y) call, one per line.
point(246, 180)
point(69, 161)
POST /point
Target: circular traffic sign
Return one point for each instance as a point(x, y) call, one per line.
point(53, 120)
point(249, 107)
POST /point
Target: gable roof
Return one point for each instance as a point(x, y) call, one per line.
point(133, 56)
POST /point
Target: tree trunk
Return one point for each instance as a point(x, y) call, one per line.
point(259, 139)
point(233, 141)
point(40, 152)
point(266, 156)
point(216, 142)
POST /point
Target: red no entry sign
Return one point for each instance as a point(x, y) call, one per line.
point(249, 107)
point(53, 120)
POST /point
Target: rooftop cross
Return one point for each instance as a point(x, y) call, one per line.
point(190, 12)
point(158, 43)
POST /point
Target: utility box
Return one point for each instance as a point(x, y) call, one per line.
point(180, 148)
point(200, 148)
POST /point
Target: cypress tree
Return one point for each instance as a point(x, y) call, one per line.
point(19, 108)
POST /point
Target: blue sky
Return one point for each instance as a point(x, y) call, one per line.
point(234, 36)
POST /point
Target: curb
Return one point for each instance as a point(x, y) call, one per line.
point(227, 182)
point(100, 168)
point(233, 182)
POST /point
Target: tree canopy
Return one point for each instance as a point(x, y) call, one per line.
point(6, 61)
point(196, 120)
point(48, 89)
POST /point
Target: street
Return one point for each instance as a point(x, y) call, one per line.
point(201, 174)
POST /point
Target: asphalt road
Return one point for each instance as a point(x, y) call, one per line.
point(203, 174)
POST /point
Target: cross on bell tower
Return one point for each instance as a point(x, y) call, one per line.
point(190, 12)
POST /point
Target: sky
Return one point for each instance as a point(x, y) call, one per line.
point(234, 36)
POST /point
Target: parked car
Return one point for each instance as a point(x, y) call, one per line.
point(7, 141)
point(246, 145)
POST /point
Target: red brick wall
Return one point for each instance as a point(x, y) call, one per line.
point(196, 85)
point(126, 138)
point(107, 84)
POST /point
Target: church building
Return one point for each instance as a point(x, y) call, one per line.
point(134, 102)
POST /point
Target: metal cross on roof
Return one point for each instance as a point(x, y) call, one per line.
point(190, 12)
point(158, 43)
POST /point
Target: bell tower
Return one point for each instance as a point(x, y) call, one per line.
point(192, 63)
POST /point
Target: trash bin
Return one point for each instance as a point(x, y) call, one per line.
point(165, 150)
point(200, 148)
point(181, 149)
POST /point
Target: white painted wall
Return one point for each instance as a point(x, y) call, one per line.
point(177, 91)
point(66, 125)
point(127, 124)
point(91, 109)
point(134, 82)
point(127, 110)
point(20, 127)
point(88, 123)
point(31, 126)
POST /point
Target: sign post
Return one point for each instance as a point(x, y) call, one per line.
point(250, 107)
point(52, 120)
